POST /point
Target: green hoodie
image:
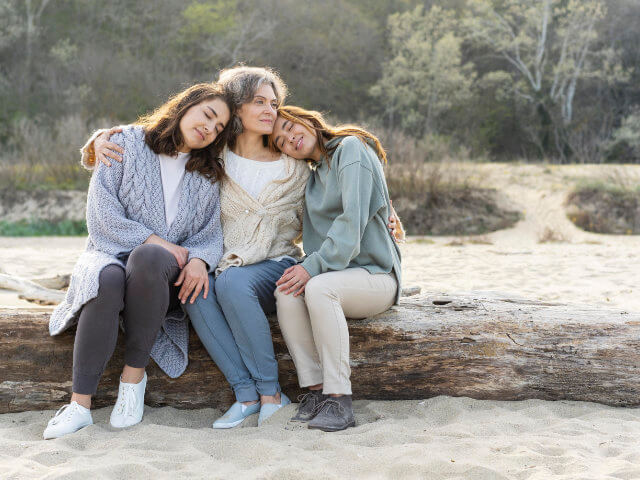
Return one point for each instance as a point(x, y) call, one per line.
point(346, 213)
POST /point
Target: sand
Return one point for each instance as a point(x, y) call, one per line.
point(435, 438)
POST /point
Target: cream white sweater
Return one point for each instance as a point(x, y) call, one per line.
point(268, 226)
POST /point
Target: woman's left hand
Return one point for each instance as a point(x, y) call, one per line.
point(294, 279)
point(193, 278)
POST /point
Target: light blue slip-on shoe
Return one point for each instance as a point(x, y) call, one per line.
point(236, 415)
point(269, 409)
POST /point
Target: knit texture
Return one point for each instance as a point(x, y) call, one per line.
point(125, 205)
point(269, 226)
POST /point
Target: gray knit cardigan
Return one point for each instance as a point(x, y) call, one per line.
point(125, 205)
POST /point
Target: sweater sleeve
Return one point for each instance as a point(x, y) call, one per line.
point(342, 244)
point(88, 153)
point(206, 244)
point(109, 228)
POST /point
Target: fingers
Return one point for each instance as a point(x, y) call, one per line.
point(206, 287)
point(113, 130)
point(100, 156)
point(291, 285)
point(285, 277)
point(288, 283)
point(300, 291)
point(112, 150)
point(180, 278)
point(187, 288)
point(197, 290)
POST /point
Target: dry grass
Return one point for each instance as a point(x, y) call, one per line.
point(611, 205)
point(44, 156)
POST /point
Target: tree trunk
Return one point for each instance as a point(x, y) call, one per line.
point(479, 346)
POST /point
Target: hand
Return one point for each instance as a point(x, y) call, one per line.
point(105, 150)
point(193, 278)
point(394, 226)
point(294, 279)
point(181, 253)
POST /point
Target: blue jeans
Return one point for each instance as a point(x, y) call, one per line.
point(232, 325)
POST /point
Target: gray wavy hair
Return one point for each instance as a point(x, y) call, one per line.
point(242, 83)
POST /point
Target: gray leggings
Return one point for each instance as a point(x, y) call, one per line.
point(143, 292)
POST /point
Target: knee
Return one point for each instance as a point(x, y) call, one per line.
point(150, 260)
point(318, 288)
point(233, 284)
point(112, 280)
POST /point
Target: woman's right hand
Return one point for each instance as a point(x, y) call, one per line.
point(105, 150)
point(181, 253)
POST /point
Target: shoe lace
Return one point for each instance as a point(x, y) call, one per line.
point(63, 414)
point(306, 398)
point(128, 404)
point(328, 406)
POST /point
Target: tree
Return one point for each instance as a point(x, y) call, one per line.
point(425, 76)
point(550, 47)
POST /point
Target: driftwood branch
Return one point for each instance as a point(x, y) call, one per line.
point(30, 290)
point(479, 346)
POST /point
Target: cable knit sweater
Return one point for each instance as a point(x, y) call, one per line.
point(255, 229)
point(125, 205)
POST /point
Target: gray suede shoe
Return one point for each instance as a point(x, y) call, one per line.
point(334, 414)
point(307, 407)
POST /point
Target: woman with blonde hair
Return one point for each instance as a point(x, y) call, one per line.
point(154, 226)
point(352, 263)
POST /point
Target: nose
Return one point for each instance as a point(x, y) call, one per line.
point(271, 109)
point(291, 137)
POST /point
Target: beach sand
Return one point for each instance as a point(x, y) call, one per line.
point(435, 438)
point(438, 438)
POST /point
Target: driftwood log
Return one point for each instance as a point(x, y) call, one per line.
point(479, 346)
point(33, 291)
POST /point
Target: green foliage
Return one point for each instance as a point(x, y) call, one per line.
point(512, 78)
point(425, 77)
point(41, 228)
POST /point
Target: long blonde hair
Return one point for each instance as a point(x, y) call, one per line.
point(324, 132)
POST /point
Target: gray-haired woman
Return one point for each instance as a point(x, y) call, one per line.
point(261, 213)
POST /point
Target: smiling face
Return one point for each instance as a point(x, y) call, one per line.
point(259, 114)
point(295, 139)
point(202, 123)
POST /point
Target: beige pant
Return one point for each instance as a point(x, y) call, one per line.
point(315, 328)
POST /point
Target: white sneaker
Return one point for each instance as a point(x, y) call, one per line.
point(70, 418)
point(129, 407)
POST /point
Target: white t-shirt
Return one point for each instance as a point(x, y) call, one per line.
point(252, 175)
point(172, 173)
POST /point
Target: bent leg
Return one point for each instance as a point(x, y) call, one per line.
point(151, 271)
point(330, 297)
point(212, 328)
point(295, 326)
point(97, 331)
point(245, 294)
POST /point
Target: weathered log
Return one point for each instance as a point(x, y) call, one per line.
point(479, 346)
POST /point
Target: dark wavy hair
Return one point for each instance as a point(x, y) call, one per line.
point(163, 135)
point(324, 132)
